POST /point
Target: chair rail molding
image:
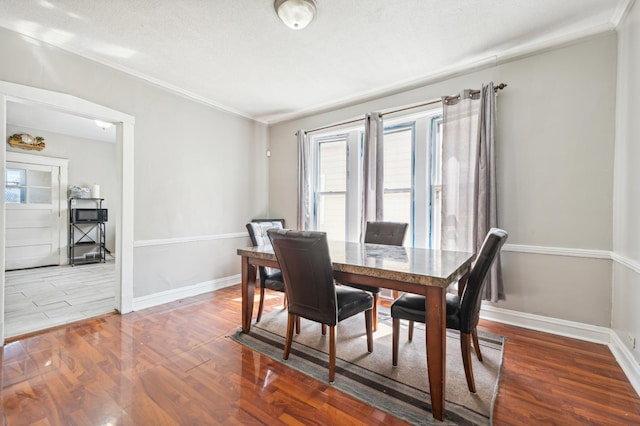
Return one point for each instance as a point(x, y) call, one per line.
point(630, 263)
point(195, 238)
point(558, 251)
point(634, 265)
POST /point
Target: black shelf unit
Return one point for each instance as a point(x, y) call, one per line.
point(89, 234)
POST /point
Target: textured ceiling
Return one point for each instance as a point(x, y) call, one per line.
point(237, 55)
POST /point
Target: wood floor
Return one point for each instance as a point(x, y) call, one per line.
point(172, 364)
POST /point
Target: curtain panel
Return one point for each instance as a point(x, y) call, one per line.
point(372, 169)
point(305, 191)
point(469, 205)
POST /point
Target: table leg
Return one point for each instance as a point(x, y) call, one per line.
point(248, 289)
point(436, 347)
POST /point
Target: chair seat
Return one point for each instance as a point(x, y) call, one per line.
point(363, 287)
point(352, 301)
point(411, 307)
point(274, 281)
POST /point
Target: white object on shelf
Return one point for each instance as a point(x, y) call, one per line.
point(95, 191)
point(79, 192)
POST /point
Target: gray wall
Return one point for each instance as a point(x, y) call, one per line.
point(555, 146)
point(199, 171)
point(90, 161)
point(626, 207)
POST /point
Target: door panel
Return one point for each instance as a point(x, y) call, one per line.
point(32, 197)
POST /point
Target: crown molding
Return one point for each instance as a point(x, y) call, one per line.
point(621, 12)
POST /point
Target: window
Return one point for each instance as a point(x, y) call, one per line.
point(27, 186)
point(412, 157)
point(398, 174)
point(331, 186)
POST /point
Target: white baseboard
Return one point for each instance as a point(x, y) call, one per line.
point(572, 329)
point(575, 330)
point(184, 292)
point(626, 360)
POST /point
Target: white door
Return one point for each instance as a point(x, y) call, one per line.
point(33, 215)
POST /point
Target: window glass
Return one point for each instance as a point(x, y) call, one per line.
point(332, 188)
point(28, 186)
point(39, 195)
point(14, 186)
point(398, 175)
point(39, 178)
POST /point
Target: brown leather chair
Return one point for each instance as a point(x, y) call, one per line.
point(462, 312)
point(311, 290)
point(388, 233)
point(270, 278)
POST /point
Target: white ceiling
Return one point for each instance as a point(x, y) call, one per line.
point(237, 55)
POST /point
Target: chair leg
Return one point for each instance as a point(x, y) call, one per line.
point(284, 301)
point(324, 329)
point(297, 325)
point(396, 341)
point(291, 319)
point(375, 311)
point(332, 353)
point(476, 344)
point(465, 346)
point(410, 330)
point(396, 294)
point(261, 305)
point(368, 314)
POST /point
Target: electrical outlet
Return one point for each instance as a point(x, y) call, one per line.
point(632, 341)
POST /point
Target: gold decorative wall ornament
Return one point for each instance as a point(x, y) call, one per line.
point(26, 141)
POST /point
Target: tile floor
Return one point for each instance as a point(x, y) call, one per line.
point(40, 298)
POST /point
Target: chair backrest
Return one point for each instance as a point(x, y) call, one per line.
point(258, 230)
point(472, 295)
point(389, 233)
point(308, 274)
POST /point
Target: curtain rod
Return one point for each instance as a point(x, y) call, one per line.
point(431, 102)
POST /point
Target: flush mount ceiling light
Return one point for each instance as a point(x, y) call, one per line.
point(296, 14)
point(104, 125)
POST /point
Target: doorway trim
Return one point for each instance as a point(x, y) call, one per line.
point(11, 92)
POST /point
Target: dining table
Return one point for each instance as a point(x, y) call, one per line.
point(422, 271)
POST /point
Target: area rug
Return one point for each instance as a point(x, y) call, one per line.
point(401, 391)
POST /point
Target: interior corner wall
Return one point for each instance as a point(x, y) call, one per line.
point(626, 235)
point(555, 145)
point(199, 172)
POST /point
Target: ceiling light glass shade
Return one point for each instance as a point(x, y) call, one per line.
point(103, 124)
point(296, 14)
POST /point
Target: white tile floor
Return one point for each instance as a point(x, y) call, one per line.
point(40, 298)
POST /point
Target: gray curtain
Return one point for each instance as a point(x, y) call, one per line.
point(305, 203)
point(372, 170)
point(469, 205)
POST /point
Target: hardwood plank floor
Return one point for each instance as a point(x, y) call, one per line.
point(172, 364)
